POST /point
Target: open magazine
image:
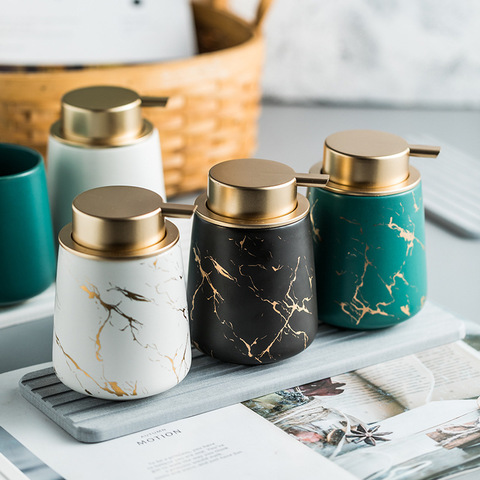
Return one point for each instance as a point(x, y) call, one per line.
point(412, 418)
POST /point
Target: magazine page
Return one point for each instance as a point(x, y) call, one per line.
point(231, 440)
point(362, 399)
point(432, 441)
point(366, 413)
point(447, 372)
point(456, 371)
point(407, 380)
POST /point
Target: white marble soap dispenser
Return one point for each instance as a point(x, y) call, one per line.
point(121, 324)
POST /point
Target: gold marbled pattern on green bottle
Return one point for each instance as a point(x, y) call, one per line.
point(369, 256)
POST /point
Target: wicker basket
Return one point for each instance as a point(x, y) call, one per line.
point(214, 97)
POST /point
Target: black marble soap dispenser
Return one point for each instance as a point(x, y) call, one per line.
point(251, 285)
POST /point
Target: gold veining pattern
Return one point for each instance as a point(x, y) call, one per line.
point(131, 295)
point(108, 386)
point(358, 306)
point(118, 319)
point(315, 231)
point(215, 296)
point(132, 324)
point(283, 308)
point(415, 205)
point(407, 235)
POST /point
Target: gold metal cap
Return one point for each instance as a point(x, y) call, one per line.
point(369, 162)
point(255, 189)
point(103, 116)
point(117, 218)
point(121, 221)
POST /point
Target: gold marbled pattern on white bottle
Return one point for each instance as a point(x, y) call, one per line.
point(121, 326)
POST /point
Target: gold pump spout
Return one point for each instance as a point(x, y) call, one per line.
point(427, 151)
point(177, 210)
point(311, 179)
point(154, 101)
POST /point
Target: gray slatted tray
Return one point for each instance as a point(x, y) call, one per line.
point(212, 384)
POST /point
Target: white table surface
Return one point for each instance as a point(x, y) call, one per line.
point(295, 135)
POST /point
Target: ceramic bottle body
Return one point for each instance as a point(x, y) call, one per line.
point(121, 326)
point(73, 169)
point(369, 256)
point(251, 291)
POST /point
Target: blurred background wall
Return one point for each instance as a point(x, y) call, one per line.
point(381, 52)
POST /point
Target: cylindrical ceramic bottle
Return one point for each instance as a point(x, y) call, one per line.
point(120, 324)
point(101, 139)
point(368, 230)
point(250, 282)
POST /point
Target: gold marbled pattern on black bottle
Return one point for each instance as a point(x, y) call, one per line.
point(251, 291)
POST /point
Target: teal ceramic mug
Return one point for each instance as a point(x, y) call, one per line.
point(27, 255)
point(368, 230)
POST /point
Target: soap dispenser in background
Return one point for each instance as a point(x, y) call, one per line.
point(101, 139)
point(250, 285)
point(121, 326)
point(368, 229)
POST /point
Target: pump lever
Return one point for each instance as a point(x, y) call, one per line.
point(154, 101)
point(177, 210)
point(311, 179)
point(427, 151)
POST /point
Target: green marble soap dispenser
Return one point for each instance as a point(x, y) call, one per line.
point(368, 230)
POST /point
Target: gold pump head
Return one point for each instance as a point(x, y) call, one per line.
point(104, 116)
point(370, 163)
point(254, 192)
point(121, 221)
